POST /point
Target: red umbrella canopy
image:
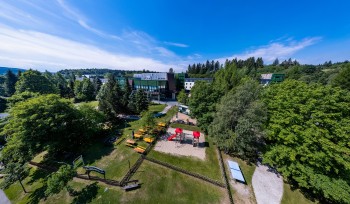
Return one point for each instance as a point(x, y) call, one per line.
point(196, 134)
point(178, 130)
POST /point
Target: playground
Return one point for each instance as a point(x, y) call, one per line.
point(176, 166)
point(183, 148)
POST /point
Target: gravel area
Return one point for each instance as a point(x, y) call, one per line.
point(184, 149)
point(267, 185)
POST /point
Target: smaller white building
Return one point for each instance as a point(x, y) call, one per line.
point(189, 82)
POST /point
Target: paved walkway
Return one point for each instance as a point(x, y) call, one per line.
point(3, 198)
point(166, 109)
point(268, 186)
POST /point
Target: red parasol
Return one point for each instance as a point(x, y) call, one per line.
point(178, 130)
point(196, 134)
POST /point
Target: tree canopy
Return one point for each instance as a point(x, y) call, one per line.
point(238, 122)
point(308, 137)
point(34, 81)
point(46, 122)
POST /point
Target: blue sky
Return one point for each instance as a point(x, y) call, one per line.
point(159, 34)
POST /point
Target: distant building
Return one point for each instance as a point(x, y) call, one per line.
point(157, 85)
point(271, 78)
point(189, 82)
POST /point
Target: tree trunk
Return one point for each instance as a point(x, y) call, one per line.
point(22, 185)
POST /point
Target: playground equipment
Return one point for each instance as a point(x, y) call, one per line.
point(78, 161)
point(95, 169)
point(179, 135)
point(196, 136)
point(171, 137)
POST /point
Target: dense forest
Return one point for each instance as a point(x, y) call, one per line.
point(299, 127)
point(101, 72)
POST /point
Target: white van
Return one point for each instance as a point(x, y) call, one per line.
point(184, 109)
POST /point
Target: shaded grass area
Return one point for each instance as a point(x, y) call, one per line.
point(209, 167)
point(291, 196)
point(185, 127)
point(34, 185)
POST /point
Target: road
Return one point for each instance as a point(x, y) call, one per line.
point(3, 198)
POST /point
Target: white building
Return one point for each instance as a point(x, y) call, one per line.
point(189, 82)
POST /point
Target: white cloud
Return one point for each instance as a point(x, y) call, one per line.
point(81, 20)
point(30, 49)
point(176, 44)
point(276, 49)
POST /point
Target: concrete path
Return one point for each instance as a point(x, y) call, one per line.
point(166, 109)
point(3, 198)
point(268, 186)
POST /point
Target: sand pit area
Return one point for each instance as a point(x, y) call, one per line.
point(182, 149)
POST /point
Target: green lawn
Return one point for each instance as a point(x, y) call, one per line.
point(158, 185)
point(293, 196)
point(162, 185)
point(210, 167)
point(185, 127)
point(91, 103)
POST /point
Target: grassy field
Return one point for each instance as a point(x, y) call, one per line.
point(185, 127)
point(210, 167)
point(158, 185)
point(293, 196)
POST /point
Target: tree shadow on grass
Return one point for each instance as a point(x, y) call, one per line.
point(87, 194)
point(37, 195)
point(38, 174)
point(96, 151)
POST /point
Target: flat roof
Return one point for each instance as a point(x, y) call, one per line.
point(198, 79)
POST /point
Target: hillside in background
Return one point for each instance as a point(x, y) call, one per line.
point(3, 70)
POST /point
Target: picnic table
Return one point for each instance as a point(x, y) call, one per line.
point(130, 141)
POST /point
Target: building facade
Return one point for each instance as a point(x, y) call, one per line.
point(157, 85)
point(189, 82)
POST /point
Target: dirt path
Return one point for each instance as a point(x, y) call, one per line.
point(268, 186)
